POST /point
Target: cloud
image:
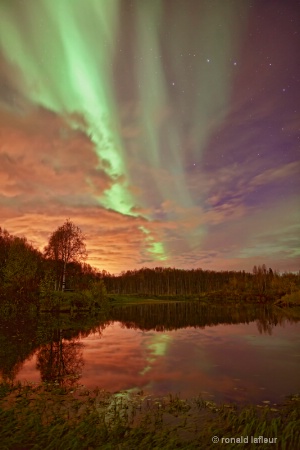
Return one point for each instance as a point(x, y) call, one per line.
point(42, 159)
point(276, 174)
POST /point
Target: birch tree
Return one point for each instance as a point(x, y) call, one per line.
point(66, 244)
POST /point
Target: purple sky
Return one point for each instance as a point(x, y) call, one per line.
point(169, 131)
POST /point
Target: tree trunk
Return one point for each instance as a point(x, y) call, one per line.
point(64, 277)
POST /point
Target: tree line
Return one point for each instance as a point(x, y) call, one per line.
point(178, 282)
point(27, 274)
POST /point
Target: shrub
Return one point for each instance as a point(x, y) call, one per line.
point(291, 299)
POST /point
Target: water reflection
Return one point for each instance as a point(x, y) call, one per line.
point(173, 316)
point(17, 343)
point(50, 340)
point(248, 353)
point(60, 361)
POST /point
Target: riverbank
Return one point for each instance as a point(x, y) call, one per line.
point(56, 417)
point(222, 297)
point(73, 303)
point(288, 304)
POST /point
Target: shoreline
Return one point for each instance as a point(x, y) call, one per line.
point(74, 417)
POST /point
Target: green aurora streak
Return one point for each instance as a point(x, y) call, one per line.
point(66, 50)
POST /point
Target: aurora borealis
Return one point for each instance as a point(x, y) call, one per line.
point(167, 130)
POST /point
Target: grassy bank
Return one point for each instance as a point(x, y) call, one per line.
point(223, 297)
point(96, 297)
point(142, 299)
point(72, 301)
point(289, 300)
point(53, 417)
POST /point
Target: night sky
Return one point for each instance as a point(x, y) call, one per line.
point(167, 130)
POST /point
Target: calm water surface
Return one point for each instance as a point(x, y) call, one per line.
point(225, 354)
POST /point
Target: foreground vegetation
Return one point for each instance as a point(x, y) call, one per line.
point(54, 417)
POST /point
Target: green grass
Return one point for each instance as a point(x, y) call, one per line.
point(54, 417)
point(220, 297)
point(292, 299)
point(141, 299)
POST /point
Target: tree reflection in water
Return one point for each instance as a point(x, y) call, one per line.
point(61, 361)
point(176, 315)
point(56, 339)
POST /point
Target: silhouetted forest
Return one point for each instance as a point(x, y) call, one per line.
point(27, 275)
point(262, 282)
